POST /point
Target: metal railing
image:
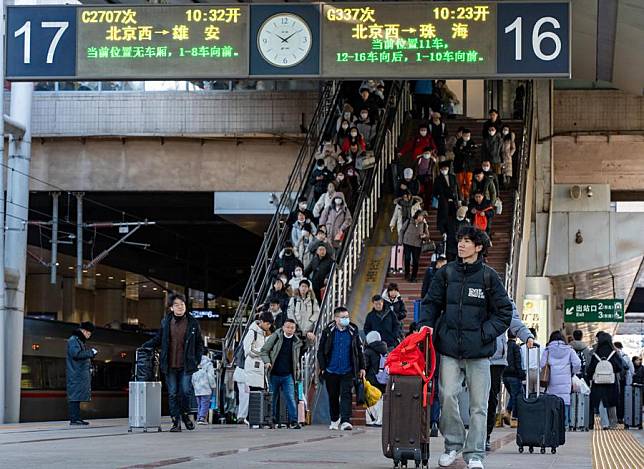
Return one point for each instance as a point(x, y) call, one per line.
point(511, 267)
point(259, 281)
point(341, 277)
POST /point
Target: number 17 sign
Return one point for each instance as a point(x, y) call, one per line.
point(41, 42)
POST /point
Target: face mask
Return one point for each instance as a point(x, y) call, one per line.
point(338, 201)
point(302, 206)
point(345, 126)
point(505, 132)
point(344, 322)
point(320, 164)
point(364, 115)
point(492, 134)
point(354, 134)
point(423, 133)
point(444, 172)
point(486, 168)
point(298, 273)
point(288, 336)
point(347, 115)
point(460, 218)
point(426, 156)
point(466, 139)
point(350, 172)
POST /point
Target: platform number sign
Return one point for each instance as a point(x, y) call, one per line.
point(41, 42)
point(533, 39)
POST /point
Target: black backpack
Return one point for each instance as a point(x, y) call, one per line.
point(239, 356)
point(584, 363)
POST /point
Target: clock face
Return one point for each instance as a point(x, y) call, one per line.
point(284, 40)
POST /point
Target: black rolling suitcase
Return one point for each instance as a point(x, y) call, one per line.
point(260, 409)
point(633, 406)
point(405, 429)
point(541, 420)
point(146, 365)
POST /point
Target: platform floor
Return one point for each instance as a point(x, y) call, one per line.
point(107, 444)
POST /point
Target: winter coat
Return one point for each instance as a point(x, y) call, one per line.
point(418, 144)
point(404, 211)
point(292, 217)
point(297, 232)
point(336, 221)
point(439, 135)
point(444, 193)
point(465, 315)
point(273, 345)
point(325, 175)
point(193, 348)
point(302, 251)
point(254, 340)
point(486, 186)
point(519, 329)
point(427, 280)
point(485, 206)
point(287, 264)
point(411, 185)
point(507, 151)
point(367, 129)
point(606, 393)
point(491, 149)
point(372, 353)
point(325, 201)
point(564, 362)
point(313, 247)
point(282, 296)
point(427, 167)
point(464, 156)
point(386, 323)
point(304, 311)
point(582, 349)
point(79, 377)
point(396, 306)
point(294, 283)
point(318, 270)
point(203, 380)
point(498, 125)
point(346, 189)
point(325, 348)
point(514, 369)
point(359, 139)
point(414, 233)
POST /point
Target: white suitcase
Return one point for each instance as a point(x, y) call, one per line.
point(145, 405)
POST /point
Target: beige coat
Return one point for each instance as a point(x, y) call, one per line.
point(397, 218)
point(336, 221)
point(253, 364)
point(507, 151)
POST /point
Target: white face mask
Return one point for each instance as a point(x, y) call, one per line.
point(460, 218)
point(505, 131)
point(492, 134)
point(423, 133)
point(345, 126)
point(466, 139)
point(347, 115)
point(288, 336)
point(486, 168)
point(302, 206)
point(298, 273)
point(354, 134)
point(444, 172)
point(427, 156)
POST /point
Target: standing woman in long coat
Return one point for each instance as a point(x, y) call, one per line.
point(79, 378)
point(604, 396)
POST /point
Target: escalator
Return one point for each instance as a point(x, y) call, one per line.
point(397, 103)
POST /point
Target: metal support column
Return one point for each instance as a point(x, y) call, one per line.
point(2, 217)
point(16, 244)
point(54, 237)
point(79, 238)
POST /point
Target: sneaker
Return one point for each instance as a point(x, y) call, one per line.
point(346, 426)
point(488, 446)
point(434, 431)
point(475, 464)
point(79, 423)
point(447, 459)
point(176, 425)
point(201, 422)
point(335, 425)
point(295, 426)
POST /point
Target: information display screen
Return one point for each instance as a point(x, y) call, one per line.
point(162, 41)
point(428, 39)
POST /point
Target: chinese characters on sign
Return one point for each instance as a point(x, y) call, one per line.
point(172, 41)
point(594, 311)
point(428, 39)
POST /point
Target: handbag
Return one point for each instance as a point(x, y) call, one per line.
point(358, 384)
point(365, 161)
point(428, 246)
point(544, 377)
point(498, 206)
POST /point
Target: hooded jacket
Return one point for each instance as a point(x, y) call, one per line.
point(372, 353)
point(79, 358)
point(304, 311)
point(397, 305)
point(491, 149)
point(564, 362)
point(466, 316)
point(325, 348)
point(325, 200)
point(403, 211)
point(418, 144)
point(193, 347)
point(203, 380)
point(318, 270)
point(336, 221)
point(254, 340)
point(486, 186)
point(386, 323)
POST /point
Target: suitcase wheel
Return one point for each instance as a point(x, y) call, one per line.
point(531, 449)
point(625, 427)
point(543, 450)
point(520, 449)
point(396, 463)
point(553, 450)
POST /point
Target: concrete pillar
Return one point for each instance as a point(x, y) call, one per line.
point(16, 245)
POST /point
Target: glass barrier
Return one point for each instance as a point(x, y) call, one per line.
point(172, 85)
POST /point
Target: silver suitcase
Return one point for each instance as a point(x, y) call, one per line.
point(633, 406)
point(579, 411)
point(145, 405)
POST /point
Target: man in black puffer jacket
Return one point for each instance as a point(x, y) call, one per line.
point(468, 307)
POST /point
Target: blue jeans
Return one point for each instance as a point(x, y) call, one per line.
point(179, 386)
point(203, 404)
point(514, 388)
point(436, 409)
point(287, 386)
point(567, 415)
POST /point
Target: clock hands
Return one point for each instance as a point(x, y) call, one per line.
point(289, 37)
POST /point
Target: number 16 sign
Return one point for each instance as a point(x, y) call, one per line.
point(533, 39)
point(41, 42)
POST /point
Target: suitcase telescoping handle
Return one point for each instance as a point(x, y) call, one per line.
point(527, 368)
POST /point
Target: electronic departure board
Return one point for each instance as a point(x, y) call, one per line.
point(324, 40)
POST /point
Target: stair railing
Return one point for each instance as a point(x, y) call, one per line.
point(341, 276)
point(518, 216)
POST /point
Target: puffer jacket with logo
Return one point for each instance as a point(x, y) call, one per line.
point(466, 316)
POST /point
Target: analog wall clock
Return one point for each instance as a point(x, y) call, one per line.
point(284, 40)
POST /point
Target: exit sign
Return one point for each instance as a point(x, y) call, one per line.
point(593, 310)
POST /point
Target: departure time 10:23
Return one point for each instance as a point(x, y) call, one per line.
point(473, 13)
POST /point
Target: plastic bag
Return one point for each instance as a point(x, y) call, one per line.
point(371, 394)
point(579, 385)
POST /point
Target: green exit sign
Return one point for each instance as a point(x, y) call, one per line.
point(594, 311)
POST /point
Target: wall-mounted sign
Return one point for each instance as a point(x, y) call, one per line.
point(593, 310)
point(205, 313)
point(334, 40)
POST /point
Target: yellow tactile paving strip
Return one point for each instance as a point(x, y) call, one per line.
point(616, 449)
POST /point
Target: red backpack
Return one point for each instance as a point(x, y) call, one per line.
point(409, 360)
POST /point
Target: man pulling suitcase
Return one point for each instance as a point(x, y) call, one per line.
point(468, 307)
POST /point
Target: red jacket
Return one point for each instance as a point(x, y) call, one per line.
point(418, 144)
point(346, 143)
